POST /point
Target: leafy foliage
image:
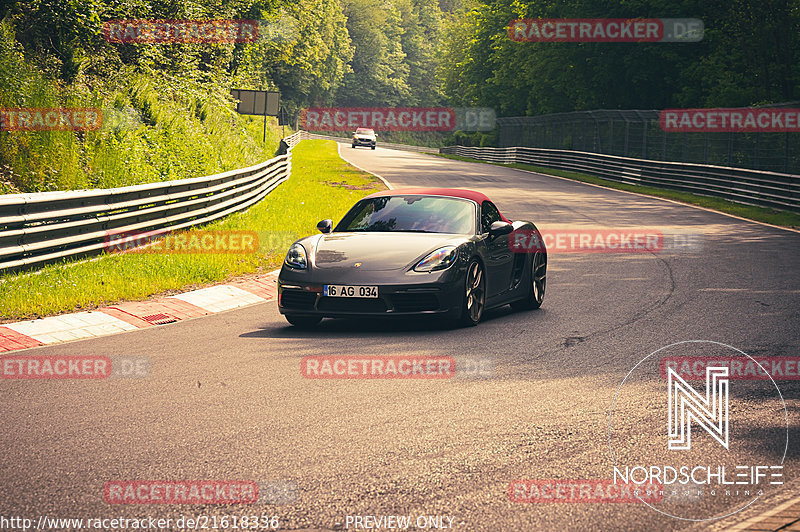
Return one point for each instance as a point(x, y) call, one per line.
point(353, 53)
point(748, 56)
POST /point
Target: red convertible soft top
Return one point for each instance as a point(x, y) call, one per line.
point(477, 197)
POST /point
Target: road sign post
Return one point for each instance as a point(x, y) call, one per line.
point(258, 103)
point(283, 119)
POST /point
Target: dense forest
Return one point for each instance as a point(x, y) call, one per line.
point(352, 53)
point(748, 56)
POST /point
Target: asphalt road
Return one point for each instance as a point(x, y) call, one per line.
point(226, 399)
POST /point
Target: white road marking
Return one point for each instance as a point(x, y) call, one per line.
point(71, 327)
point(219, 298)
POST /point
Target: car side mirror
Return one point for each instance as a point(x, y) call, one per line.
point(325, 226)
point(500, 228)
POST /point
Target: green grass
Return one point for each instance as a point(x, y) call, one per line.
point(321, 186)
point(759, 214)
point(156, 127)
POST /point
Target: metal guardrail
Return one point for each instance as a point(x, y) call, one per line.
point(637, 133)
point(293, 139)
point(47, 226)
point(751, 187)
point(403, 147)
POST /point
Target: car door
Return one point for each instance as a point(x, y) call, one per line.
point(499, 258)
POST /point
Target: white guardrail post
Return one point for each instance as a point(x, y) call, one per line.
point(47, 226)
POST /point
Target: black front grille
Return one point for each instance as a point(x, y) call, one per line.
point(351, 304)
point(415, 302)
point(297, 299)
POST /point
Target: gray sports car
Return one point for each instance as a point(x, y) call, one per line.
point(407, 252)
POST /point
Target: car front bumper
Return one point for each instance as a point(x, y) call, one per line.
point(363, 142)
point(399, 293)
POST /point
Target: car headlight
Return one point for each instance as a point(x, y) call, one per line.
point(437, 260)
point(296, 257)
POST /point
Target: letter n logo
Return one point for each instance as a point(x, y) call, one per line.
point(686, 405)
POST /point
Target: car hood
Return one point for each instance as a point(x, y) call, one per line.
point(377, 251)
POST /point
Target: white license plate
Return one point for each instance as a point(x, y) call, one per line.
point(337, 290)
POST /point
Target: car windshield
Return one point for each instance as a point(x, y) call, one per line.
point(364, 131)
point(419, 214)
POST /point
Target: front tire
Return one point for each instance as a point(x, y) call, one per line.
point(373, 147)
point(474, 295)
point(535, 295)
point(303, 322)
point(354, 145)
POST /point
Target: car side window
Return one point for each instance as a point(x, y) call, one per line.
point(489, 215)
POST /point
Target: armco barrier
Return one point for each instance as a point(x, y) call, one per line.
point(751, 187)
point(47, 226)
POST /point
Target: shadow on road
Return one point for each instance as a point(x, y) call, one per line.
point(361, 327)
